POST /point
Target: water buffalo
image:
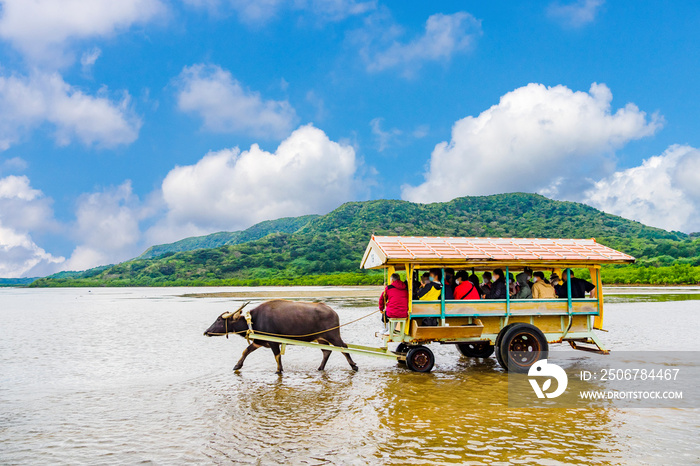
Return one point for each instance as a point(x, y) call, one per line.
point(282, 317)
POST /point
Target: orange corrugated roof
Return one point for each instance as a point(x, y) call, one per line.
point(497, 249)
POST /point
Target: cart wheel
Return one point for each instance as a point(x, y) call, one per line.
point(420, 359)
point(522, 346)
point(499, 337)
point(402, 349)
point(477, 349)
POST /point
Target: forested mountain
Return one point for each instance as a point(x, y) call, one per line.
point(223, 238)
point(327, 249)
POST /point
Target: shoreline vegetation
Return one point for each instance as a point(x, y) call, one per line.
point(325, 250)
point(676, 275)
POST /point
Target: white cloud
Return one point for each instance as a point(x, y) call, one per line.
point(664, 191)
point(107, 227)
point(14, 164)
point(444, 36)
point(384, 137)
point(575, 14)
point(223, 104)
point(27, 102)
point(17, 187)
point(537, 138)
point(335, 10)
point(21, 257)
point(262, 11)
point(23, 209)
point(225, 190)
point(89, 58)
point(42, 29)
point(230, 189)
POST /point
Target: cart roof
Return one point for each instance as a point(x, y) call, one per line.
point(390, 250)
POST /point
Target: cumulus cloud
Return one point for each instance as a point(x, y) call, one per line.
point(225, 190)
point(29, 101)
point(664, 191)
point(24, 209)
point(42, 29)
point(107, 227)
point(575, 14)
point(225, 106)
point(444, 36)
point(546, 139)
point(233, 189)
point(21, 257)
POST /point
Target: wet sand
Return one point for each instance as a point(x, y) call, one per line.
point(295, 292)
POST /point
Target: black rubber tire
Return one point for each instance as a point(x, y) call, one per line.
point(420, 359)
point(402, 349)
point(476, 349)
point(501, 362)
point(521, 346)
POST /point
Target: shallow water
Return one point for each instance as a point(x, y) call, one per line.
point(121, 376)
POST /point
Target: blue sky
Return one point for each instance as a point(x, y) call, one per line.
point(130, 123)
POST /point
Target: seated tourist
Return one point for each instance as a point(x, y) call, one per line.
point(579, 287)
point(449, 283)
point(486, 283)
point(498, 290)
point(465, 288)
point(524, 291)
point(433, 290)
point(475, 280)
point(541, 289)
point(558, 287)
point(528, 271)
point(424, 280)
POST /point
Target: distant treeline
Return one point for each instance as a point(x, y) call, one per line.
point(5, 282)
point(628, 275)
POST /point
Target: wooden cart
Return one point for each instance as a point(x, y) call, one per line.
point(518, 331)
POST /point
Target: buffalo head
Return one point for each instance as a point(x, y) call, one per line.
point(228, 322)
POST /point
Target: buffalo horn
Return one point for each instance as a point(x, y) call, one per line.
point(236, 314)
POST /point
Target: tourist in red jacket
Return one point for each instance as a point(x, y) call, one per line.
point(394, 300)
point(466, 289)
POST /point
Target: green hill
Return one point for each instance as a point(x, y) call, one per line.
point(327, 249)
point(223, 238)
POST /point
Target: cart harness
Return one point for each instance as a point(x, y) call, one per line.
point(250, 331)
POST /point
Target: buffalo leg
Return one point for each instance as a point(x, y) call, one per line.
point(326, 355)
point(335, 340)
point(275, 347)
point(350, 361)
point(252, 347)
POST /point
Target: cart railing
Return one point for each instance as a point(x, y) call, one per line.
point(499, 307)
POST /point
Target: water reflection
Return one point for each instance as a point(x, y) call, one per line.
point(457, 416)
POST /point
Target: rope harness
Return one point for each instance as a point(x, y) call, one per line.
point(250, 330)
